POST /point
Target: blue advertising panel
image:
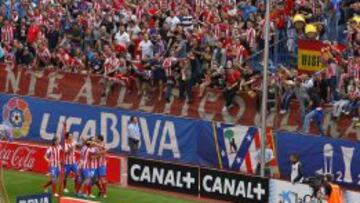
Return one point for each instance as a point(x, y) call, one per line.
point(321, 155)
point(162, 137)
point(43, 198)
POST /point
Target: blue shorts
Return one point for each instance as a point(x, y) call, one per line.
point(70, 168)
point(87, 173)
point(54, 172)
point(101, 171)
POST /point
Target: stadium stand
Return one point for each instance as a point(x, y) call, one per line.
point(205, 44)
point(193, 47)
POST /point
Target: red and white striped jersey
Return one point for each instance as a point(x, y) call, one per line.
point(53, 154)
point(167, 64)
point(7, 34)
point(139, 12)
point(110, 64)
point(70, 153)
point(93, 159)
point(102, 157)
point(87, 158)
point(251, 37)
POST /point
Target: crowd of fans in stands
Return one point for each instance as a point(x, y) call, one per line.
point(188, 43)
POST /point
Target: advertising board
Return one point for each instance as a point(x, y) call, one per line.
point(164, 176)
point(30, 157)
point(233, 187)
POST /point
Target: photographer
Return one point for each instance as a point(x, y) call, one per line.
point(330, 191)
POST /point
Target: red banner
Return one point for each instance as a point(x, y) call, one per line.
point(87, 89)
point(30, 157)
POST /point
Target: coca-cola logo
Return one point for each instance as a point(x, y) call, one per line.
point(17, 157)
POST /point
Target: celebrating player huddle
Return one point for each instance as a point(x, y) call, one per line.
point(88, 171)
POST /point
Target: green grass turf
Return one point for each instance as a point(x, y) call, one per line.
point(22, 183)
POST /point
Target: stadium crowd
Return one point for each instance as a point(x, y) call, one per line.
point(186, 43)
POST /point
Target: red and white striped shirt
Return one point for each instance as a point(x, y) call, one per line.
point(70, 153)
point(167, 66)
point(251, 37)
point(83, 156)
point(139, 12)
point(111, 64)
point(102, 157)
point(93, 161)
point(53, 154)
point(7, 34)
point(87, 158)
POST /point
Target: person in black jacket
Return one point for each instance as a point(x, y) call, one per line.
point(296, 169)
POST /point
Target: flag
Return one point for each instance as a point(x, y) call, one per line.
point(239, 146)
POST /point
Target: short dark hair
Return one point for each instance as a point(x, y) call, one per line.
point(90, 139)
point(329, 177)
point(54, 140)
point(132, 118)
point(100, 137)
point(67, 135)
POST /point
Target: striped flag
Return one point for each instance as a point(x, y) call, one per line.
point(239, 147)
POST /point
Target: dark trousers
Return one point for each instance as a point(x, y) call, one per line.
point(134, 146)
point(267, 170)
point(229, 96)
point(185, 88)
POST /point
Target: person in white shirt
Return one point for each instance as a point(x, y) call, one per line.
point(134, 135)
point(172, 20)
point(146, 48)
point(122, 37)
point(133, 28)
point(296, 175)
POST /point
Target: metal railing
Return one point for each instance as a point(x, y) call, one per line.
point(279, 55)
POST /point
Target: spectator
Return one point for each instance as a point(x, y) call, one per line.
point(315, 111)
point(133, 135)
point(232, 83)
point(185, 86)
point(296, 169)
point(301, 95)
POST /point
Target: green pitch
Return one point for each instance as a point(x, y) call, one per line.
point(22, 183)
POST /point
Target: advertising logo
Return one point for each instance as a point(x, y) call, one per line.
point(286, 192)
point(16, 112)
point(233, 187)
point(161, 175)
point(343, 175)
point(239, 147)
